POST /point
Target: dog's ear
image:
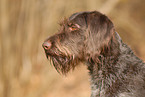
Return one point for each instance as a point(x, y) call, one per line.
point(99, 32)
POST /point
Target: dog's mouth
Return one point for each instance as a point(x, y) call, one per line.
point(57, 58)
point(53, 53)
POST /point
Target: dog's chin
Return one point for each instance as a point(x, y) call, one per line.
point(63, 64)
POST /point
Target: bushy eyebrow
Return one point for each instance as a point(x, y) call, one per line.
point(63, 22)
point(67, 24)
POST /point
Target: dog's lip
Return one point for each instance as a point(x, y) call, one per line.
point(48, 54)
point(57, 57)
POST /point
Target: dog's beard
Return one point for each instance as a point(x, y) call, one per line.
point(62, 63)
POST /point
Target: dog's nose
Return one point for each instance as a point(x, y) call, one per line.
point(47, 45)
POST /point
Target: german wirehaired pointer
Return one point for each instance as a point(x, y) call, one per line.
point(90, 37)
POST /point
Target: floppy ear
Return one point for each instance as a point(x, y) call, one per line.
point(99, 32)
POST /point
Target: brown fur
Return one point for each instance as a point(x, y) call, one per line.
point(90, 37)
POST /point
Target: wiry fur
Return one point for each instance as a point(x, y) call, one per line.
point(90, 37)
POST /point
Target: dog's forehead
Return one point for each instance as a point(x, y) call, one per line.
point(84, 18)
point(73, 16)
point(79, 18)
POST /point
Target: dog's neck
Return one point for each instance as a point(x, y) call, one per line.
point(111, 71)
point(102, 69)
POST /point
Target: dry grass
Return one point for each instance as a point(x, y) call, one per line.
point(24, 24)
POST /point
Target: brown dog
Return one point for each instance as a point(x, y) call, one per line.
point(90, 37)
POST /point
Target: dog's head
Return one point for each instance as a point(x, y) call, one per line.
point(98, 30)
point(80, 36)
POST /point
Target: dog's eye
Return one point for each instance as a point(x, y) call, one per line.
point(74, 27)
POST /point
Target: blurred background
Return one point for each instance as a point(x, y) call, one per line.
point(25, 24)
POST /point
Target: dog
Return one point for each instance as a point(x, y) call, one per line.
point(90, 37)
